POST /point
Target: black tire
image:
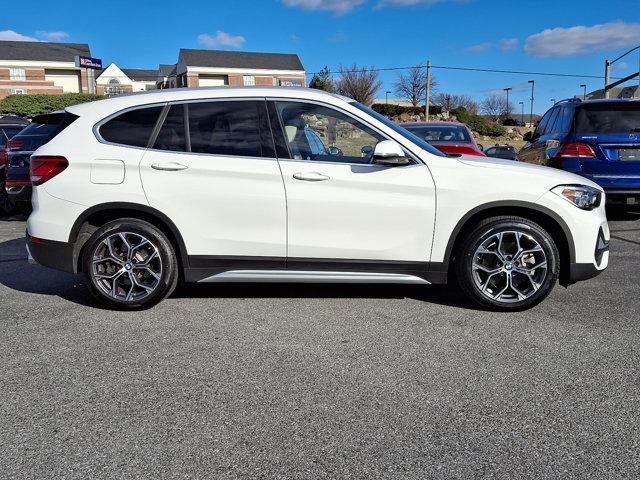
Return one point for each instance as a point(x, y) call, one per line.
point(535, 285)
point(157, 280)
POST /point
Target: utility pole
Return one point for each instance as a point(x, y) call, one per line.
point(428, 92)
point(584, 91)
point(522, 114)
point(533, 83)
point(386, 96)
point(507, 109)
point(607, 75)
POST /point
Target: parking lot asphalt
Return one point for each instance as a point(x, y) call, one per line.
point(318, 381)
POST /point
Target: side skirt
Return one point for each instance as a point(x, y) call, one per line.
point(212, 269)
point(292, 276)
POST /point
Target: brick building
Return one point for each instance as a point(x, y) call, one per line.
point(114, 80)
point(41, 67)
point(207, 68)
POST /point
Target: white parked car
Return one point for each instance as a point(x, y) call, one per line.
point(296, 185)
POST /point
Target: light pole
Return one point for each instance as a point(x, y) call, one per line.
point(584, 91)
point(386, 96)
point(522, 115)
point(553, 101)
point(507, 112)
point(533, 83)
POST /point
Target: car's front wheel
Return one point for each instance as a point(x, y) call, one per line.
point(507, 263)
point(130, 264)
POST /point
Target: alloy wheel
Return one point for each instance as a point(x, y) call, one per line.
point(509, 266)
point(126, 266)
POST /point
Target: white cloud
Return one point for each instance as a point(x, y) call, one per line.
point(339, 7)
point(52, 36)
point(507, 44)
point(479, 48)
point(579, 40)
point(410, 3)
point(15, 36)
point(221, 39)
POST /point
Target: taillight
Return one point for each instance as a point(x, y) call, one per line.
point(581, 150)
point(15, 144)
point(43, 169)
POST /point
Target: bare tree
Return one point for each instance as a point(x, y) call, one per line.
point(359, 83)
point(493, 106)
point(412, 85)
point(450, 102)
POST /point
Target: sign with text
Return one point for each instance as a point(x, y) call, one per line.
point(88, 62)
point(291, 83)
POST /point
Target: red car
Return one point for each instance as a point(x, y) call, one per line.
point(448, 137)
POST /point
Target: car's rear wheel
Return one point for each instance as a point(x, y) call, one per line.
point(130, 264)
point(508, 263)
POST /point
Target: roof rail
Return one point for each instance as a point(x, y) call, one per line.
point(566, 100)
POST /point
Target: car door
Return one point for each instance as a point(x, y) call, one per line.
point(344, 212)
point(533, 151)
point(212, 170)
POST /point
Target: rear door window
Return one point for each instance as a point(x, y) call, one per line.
point(618, 117)
point(549, 127)
point(229, 128)
point(172, 135)
point(132, 128)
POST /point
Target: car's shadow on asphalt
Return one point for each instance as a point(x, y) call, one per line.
point(17, 274)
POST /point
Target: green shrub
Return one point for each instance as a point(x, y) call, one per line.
point(31, 105)
point(479, 124)
point(389, 110)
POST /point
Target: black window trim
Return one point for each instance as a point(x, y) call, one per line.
point(268, 134)
point(415, 160)
point(99, 124)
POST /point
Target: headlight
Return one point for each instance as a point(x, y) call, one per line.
point(582, 196)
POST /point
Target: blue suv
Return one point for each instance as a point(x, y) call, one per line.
point(598, 139)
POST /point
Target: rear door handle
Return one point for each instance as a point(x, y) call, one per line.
point(310, 176)
point(169, 166)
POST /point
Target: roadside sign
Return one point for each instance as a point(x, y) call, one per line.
point(88, 62)
point(291, 83)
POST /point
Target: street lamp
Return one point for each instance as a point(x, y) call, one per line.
point(553, 101)
point(533, 83)
point(507, 107)
point(522, 115)
point(386, 96)
point(584, 91)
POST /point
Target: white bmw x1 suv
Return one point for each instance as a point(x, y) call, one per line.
point(296, 185)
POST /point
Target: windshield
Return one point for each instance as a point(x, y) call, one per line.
point(440, 133)
point(608, 118)
point(398, 129)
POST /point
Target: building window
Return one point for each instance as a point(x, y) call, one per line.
point(19, 91)
point(17, 74)
point(249, 80)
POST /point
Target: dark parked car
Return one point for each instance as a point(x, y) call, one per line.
point(448, 137)
point(9, 127)
point(18, 152)
point(501, 151)
point(512, 122)
point(598, 139)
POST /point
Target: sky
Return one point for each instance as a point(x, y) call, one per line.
point(559, 36)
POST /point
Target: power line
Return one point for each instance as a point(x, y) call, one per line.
point(472, 69)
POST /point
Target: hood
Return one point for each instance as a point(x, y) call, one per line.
point(553, 176)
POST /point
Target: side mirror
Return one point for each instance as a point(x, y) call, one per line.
point(390, 154)
point(335, 151)
point(528, 136)
point(481, 147)
point(366, 151)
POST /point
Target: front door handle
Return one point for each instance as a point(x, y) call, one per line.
point(310, 176)
point(169, 166)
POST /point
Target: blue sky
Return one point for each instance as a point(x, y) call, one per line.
point(565, 36)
